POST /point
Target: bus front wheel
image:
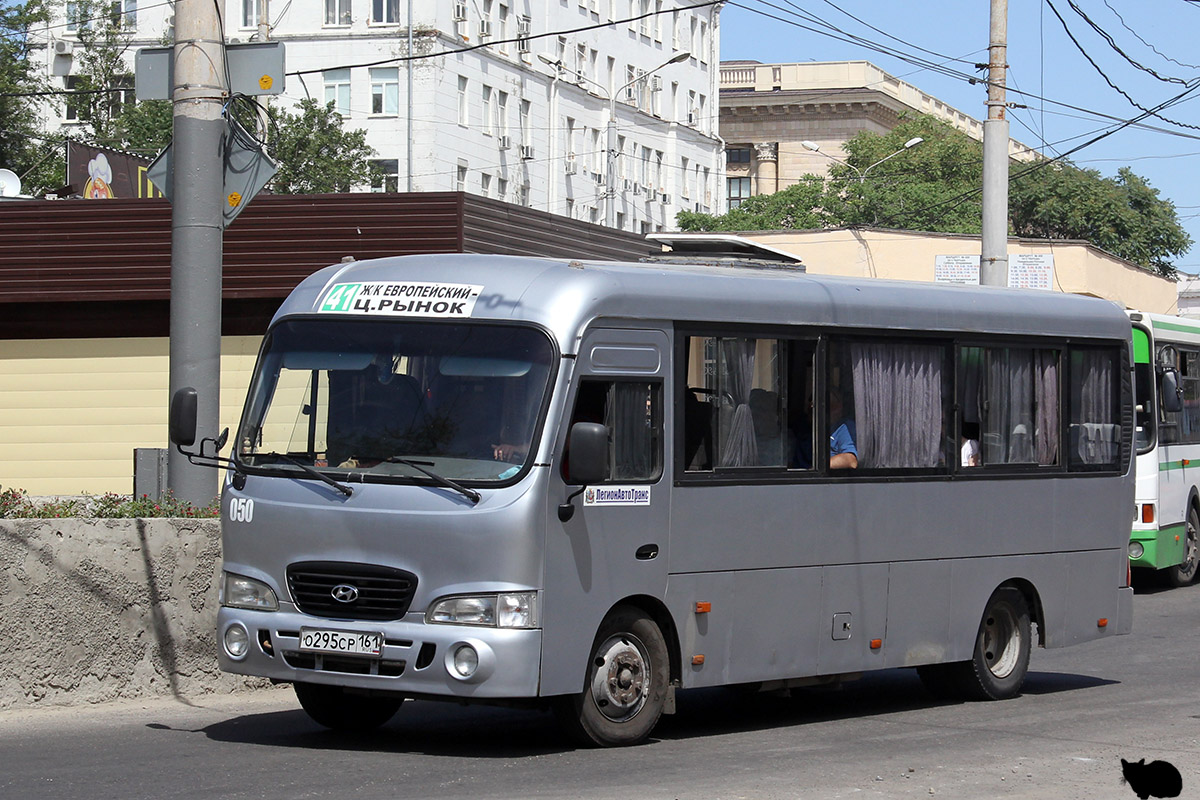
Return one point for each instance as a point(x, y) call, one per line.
point(1000, 659)
point(335, 708)
point(626, 683)
point(1183, 574)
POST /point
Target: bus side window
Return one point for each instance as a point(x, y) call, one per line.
point(889, 399)
point(632, 412)
point(1095, 419)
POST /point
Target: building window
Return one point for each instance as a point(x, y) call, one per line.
point(502, 27)
point(251, 13)
point(523, 115)
point(337, 12)
point(385, 91)
point(501, 188)
point(738, 189)
point(337, 90)
point(485, 184)
point(124, 13)
point(501, 113)
point(737, 155)
point(75, 20)
point(487, 111)
point(464, 114)
point(460, 176)
point(385, 175)
point(385, 11)
point(76, 107)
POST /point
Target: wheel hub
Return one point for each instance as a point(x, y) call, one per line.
point(621, 677)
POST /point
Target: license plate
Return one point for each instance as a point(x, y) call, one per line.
point(320, 640)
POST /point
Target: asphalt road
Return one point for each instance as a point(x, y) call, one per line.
point(1082, 710)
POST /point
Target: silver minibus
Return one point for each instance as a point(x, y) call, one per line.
point(586, 485)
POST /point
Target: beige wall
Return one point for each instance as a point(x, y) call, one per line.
point(1078, 267)
point(73, 410)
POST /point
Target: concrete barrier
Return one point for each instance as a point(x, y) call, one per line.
point(106, 609)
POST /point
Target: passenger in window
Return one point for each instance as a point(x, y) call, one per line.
point(843, 453)
point(970, 444)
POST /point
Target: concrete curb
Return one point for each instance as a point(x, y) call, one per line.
point(105, 609)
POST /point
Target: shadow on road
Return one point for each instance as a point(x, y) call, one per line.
point(444, 729)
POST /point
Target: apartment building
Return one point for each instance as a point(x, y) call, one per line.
point(508, 99)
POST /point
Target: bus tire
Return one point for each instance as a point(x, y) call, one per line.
point(1183, 574)
point(625, 687)
point(335, 708)
point(1000, 659)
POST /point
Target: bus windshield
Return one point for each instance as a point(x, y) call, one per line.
point(396, 401)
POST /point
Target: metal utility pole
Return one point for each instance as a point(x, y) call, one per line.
point(198, 93)
point(408, 156)
point(993, 261)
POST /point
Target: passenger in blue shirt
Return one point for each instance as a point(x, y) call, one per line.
point(843, 454)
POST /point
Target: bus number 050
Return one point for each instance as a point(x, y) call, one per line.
point(241, 509)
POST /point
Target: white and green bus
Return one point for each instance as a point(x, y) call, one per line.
point(1166, 356)
point(588, 485)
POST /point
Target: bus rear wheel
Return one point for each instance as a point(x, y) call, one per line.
point(625, 687)
point(1000, 659)
point(339, 710)
point(1183, 574)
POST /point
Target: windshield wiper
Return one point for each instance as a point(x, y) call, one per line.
point(321, 476)
point(419, 466)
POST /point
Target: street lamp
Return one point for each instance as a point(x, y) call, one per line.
point(610, 178)
point(862, 173)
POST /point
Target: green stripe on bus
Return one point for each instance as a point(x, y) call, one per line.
point(1175, 326)
point(1167, 466)
point(1141, 346)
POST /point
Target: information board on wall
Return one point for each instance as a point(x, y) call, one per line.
point(1031, 270)
point(961, 270)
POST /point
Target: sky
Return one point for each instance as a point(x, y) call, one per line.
point(935, 45)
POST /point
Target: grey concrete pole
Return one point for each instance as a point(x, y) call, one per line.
point(993, 262)
point(196, 230)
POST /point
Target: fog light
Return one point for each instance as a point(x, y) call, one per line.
point(1136, 550)
point(466, 661)
point(236, 642)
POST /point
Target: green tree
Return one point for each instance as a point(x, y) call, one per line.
point(315, 153)
point(1123, 215)
point(24, 145)
point(935, 186)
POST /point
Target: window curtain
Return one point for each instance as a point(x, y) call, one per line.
point(627, 415)
point(897, 404)
point(1094, 419)
point(738, 445)
point(1007, 414)
point(1046, 394)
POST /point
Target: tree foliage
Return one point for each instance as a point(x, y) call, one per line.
point(936, 186)
point(24, 147)
point(315, 153)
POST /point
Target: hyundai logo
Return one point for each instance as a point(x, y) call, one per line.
point(344, 593)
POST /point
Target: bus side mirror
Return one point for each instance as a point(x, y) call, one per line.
point(587, 444)
point(1169, 391)
point(182, 423)
point(589, 453)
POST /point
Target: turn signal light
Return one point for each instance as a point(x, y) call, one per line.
point(1102, 622)
point(703, 608)
point(1148, 513)
point(876, 644)
point(697, 660)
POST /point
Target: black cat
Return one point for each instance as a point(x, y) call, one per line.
point(1156, 779)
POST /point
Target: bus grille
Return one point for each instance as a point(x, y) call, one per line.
point(382, 592)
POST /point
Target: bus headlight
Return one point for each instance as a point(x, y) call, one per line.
point(1136, 550)
point(504, 610)
point(238, 591)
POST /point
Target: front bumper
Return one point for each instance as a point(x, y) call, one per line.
point(416, 657)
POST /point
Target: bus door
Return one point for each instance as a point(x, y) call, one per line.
point(614, 545)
